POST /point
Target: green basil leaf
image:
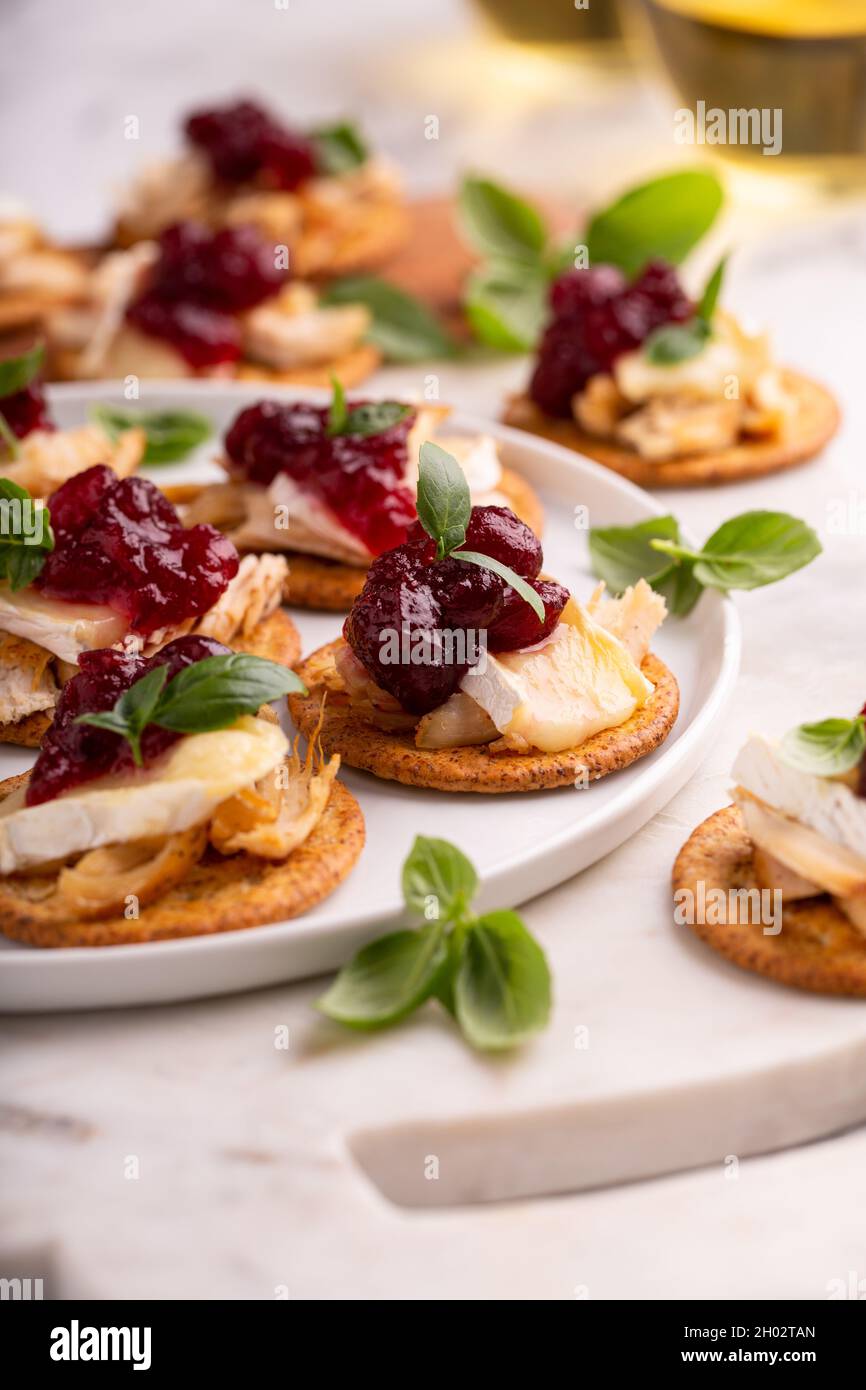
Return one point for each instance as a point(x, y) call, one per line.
point(213, 693)
point(9, 439)
point(18, 372)
point(709, 298)
point(515, 581)
point(436, 869)
point(506, 305)
point(339, 148)
point(444, 502)
point(387, 979)
point(498, 223)
point(338, 410)
point(21, 564)
point(402, 327)
point(133, 711)
point(665, 217)
point(754, 549)
point(502, 987)
point(826, 749)
point(676, 342)
point(621, 555)
point(372, 418)
point(171, 434)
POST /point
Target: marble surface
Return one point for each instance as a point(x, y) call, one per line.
point(181, 1152)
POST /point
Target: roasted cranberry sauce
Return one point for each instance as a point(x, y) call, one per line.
point(358, 477)
point(200, 281)
point(408, 591)
point(121, 543)
point(75, 753)
point(596, 316)
point(243, 142)
point(26, 410)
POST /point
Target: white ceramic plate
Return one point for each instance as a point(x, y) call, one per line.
point(521, 844)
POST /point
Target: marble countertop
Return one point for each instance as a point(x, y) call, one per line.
point(175, 1152)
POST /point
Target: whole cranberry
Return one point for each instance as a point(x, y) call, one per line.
point(27, 410)
point(518, 625)
point(497, 532)
point(241, 269)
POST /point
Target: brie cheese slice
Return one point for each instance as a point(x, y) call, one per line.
point(64, 629)
point(578, 682)
point(183, 790)
point(824, 804)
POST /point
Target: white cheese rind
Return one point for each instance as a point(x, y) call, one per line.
point(201, 771)
point(825, 805)
point(64, 629)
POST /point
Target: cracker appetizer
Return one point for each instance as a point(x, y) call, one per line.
point(35, 276)
point(167, 802)
point(776, 882)
point(322, 193)
point(666, 391)
point(334, 487)
point(116, 569)
point(34, 453)
point(463, 668)
point(204, 303)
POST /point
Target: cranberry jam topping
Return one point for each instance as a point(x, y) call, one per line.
point(200, 280)
point(597, 316)
point(119, 542)
point(358, 477)
point(76, 753)
point(27, 410)
point(408, 591)
point(244, 142)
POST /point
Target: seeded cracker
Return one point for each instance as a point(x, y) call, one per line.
point(818, 949)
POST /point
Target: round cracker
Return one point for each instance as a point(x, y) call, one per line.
point(817, 422)
point(219, 894)
point(395, 757)
point(276, 638)
point(818, 949)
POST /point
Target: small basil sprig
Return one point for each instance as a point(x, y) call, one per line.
point(401, 327)
point(677, 342)
point(750, 550)
point(24, 547)
point(444, 508)
point(211, 694)
point(339, 148)
point(505, 298)
point(370, 418)
point(489, 972)
point(826, 749)
point(171, 434)
point(18, 372)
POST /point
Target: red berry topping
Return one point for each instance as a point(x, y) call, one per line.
point(597, 316)
point(518, 626)
point(399, 623)
point(358, 477)
point(76, 753)
point(244, 142)
point(121, 543)
point(27, 410)
point(199, 281)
